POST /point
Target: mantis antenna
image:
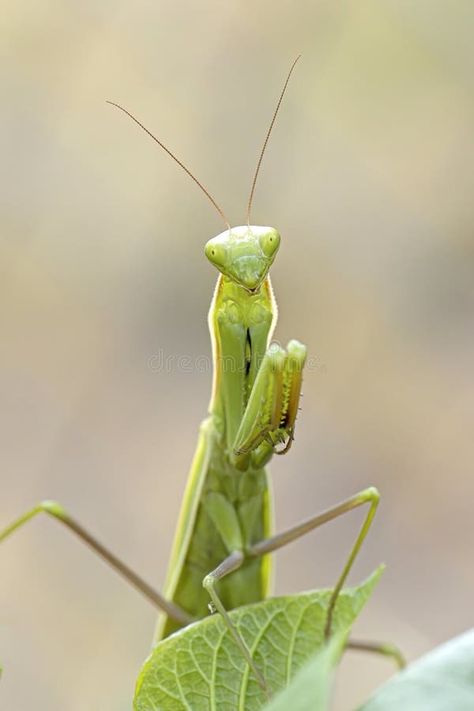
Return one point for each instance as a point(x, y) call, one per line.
point(262, 152)
point(175, 158)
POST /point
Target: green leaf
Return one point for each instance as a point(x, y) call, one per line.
point(443, 680)
point(200, 668)
point(311, 686)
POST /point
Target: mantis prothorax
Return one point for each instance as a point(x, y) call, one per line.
point(224, 533)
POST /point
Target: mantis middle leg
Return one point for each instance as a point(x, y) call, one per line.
point(56, 511)
point(236, 558)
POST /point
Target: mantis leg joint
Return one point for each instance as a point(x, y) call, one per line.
point(371, 494)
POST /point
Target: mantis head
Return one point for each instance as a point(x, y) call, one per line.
point(244, 254)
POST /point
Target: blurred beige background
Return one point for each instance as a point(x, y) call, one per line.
point(369, 177)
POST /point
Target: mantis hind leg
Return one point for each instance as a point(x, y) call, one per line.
point(383, 648)
point(55, 510)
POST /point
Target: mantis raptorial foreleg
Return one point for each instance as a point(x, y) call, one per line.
point(56, 511)
point(270, 416)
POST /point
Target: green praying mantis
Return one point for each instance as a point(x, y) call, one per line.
point(219, 559)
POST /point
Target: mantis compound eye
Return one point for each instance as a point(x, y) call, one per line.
point(216, 253)
point(269, 243)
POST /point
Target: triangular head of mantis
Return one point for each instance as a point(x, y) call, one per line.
point(244, 254)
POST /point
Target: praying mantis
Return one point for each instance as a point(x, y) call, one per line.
point(220, 556)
